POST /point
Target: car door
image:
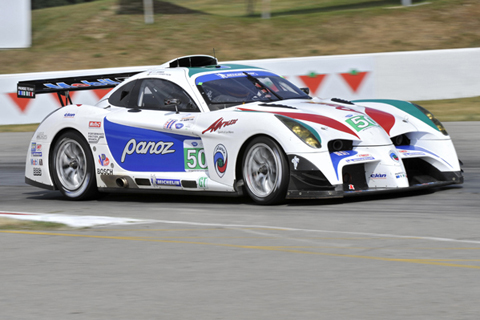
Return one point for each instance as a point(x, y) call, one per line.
point(152, 132)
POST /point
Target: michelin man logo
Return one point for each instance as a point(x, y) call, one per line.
point(295, 162)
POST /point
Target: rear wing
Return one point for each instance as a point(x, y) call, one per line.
point(62, 86)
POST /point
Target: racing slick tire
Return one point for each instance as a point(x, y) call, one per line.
point(265, 171)
point(72, 167)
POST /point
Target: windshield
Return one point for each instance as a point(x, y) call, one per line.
point(226, 89)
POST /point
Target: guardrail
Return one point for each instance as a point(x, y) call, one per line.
point(412, 75)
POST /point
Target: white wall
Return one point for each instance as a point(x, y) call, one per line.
point(15, 24)
point(414, 76)
point(428, 75)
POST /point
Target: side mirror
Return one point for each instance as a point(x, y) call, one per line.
point(174, 102)
point(169, 102)
point(306, 90)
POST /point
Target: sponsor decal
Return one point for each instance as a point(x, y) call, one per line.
point(351, 187)
point(41, 136)
point(363, 157)
point(165, 182)
point(104, 172)
point(103, 160)
point(26, 92)
point(394, 156)
point(94, 124)
point(188, 118)
point(220, 158)
point(69, 115)
point(145, 150)
point(378, 176)
point(230, 74)
point(406, 153)
point(295, 162)
point(220, 124)
point(226, 75)
point(203, 183)
point(36, 149)
point(37, 172)
point(178, 125)
point(94, 137)
point(144, 147)
point(313, 80)
point(354, 78)
point(83, 83)
point(158, 72)
point(195, 158)
point(400, 175)
point(169, 124)
point(36, 162)
point(361, 122)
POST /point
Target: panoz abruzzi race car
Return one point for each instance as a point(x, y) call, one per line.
point(195, 126)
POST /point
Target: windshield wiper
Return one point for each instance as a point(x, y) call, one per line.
point(256, 81)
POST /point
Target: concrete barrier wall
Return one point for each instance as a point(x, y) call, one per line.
point(414, 75)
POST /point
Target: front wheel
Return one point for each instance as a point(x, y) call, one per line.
point(265, 171)
point(72, 167)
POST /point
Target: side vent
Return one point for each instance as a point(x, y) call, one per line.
point(142, 182)
point(401, 140)
point(189, 184)
point(340, 145)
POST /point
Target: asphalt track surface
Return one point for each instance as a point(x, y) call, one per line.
point(411, 256)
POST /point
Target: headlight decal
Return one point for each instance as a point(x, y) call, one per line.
point(302, 130)
point(412, 109)
point(430, 116)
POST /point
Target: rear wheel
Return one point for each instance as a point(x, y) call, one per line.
point(72, 167)
point(265, 171)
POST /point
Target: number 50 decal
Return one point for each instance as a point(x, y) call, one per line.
point(194, 155)
point(360, 123)
point(195, 159)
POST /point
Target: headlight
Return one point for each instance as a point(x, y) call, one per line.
point(435, 121)
point(306, 133)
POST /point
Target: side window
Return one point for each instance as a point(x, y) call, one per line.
point(159, 94)
point(121, 97)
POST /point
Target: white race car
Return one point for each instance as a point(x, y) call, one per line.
point(195, 126)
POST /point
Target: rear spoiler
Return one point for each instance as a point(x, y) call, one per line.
point(62, 86)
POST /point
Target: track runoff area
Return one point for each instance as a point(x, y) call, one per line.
point(414, 255)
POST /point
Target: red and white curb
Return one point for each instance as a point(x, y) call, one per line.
point(72, 220)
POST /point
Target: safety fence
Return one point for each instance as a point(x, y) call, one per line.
point(412, 75)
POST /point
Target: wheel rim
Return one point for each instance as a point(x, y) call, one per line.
point(262, 170)
point(71, 164)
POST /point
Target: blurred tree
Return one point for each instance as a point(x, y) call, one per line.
point(250, 7)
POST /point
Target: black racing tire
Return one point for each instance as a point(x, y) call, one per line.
point(265, 171)
point(72, 167)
